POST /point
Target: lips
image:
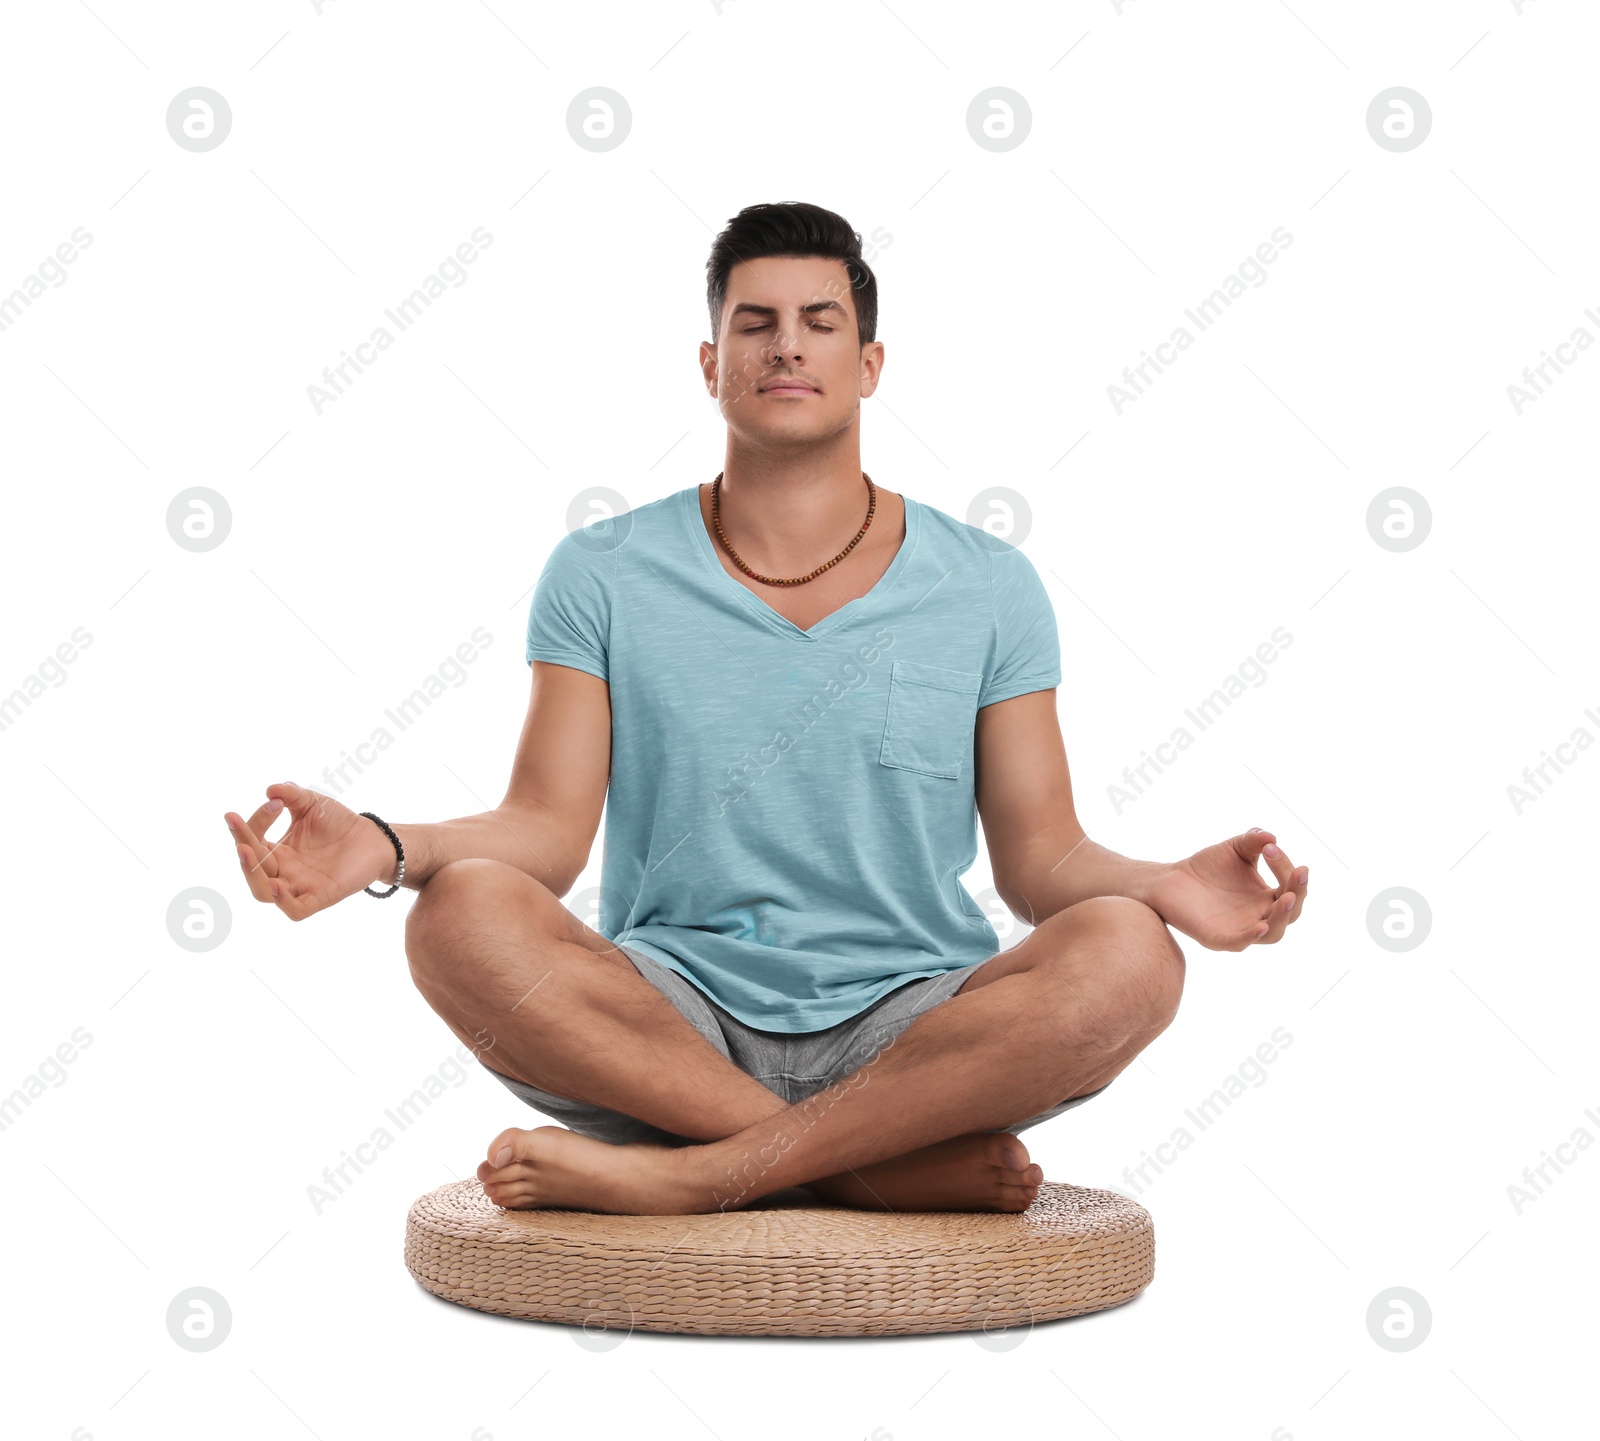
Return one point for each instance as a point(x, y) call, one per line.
point(796, 386)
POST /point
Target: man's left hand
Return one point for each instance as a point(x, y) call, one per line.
point(1218, 897)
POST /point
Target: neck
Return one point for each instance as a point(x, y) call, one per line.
point(788, 510)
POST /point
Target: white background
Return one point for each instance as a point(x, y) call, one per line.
point(368, 541)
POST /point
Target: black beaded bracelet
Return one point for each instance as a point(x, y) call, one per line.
point(399, 850)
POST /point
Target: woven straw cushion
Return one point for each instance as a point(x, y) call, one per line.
point(785, 1266)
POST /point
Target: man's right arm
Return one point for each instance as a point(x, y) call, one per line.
point(546, 823)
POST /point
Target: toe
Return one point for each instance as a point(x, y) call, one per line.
point(517, 1172)
point(1015, 1168)
point(1030, 1175)
point(510, 1145)
point(1014, 1154)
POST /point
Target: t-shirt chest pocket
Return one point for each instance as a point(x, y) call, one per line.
point(931, 715)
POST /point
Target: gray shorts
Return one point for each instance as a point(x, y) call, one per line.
point(791, 1065)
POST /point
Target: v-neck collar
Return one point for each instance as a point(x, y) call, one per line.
point(690, 509)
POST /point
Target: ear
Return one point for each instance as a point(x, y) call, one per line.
point(871, 366)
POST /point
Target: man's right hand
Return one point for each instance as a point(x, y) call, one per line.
point(329, 852)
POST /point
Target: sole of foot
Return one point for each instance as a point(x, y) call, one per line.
point(981, 1171)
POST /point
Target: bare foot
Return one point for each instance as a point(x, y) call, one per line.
point(981, 1171)
point(552, 1166)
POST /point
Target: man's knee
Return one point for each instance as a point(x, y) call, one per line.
point(1139, 959)
point(457, 901)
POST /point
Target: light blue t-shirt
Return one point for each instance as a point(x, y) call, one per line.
point(791, 811)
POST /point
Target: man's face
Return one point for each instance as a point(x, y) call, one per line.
point(786, 365)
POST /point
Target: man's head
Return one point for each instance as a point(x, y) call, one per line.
point(794, 314)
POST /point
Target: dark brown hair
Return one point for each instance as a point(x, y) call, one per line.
point(792, 227)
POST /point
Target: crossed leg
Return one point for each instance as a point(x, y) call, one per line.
point(510, 969)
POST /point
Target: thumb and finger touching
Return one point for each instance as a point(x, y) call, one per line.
point(272, 868)
point(1278, 906)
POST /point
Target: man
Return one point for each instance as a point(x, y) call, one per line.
point(798, 686)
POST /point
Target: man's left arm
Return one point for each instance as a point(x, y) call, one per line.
point(1044, 862)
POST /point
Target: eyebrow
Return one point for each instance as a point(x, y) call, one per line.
point(815, 308)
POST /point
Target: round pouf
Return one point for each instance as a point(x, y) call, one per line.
point(801, 1269)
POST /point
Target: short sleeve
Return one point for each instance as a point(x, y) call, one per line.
point(569, 621)
point(1027, 649)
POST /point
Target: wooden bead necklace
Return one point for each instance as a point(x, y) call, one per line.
point(716, 521)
